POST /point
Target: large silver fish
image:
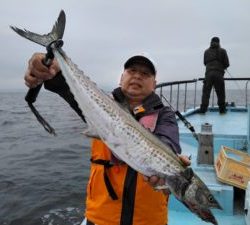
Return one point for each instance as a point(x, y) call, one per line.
point(126, 138)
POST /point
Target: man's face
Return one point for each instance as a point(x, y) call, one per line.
point(137, 82)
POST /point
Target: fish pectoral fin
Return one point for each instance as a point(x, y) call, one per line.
point(88, 132)
point(162, 187)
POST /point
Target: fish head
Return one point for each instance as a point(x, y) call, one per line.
point(203, 213)
point(198, 194)
point(206, 215)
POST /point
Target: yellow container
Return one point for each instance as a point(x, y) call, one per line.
point(233, 167)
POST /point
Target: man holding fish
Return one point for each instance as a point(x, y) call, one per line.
point(116, 193)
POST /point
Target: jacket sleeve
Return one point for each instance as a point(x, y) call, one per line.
point(58, 85)
point(205, 58)
point(225, 60)
point(167, 129)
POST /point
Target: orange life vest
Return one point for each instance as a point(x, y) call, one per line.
point(150, 206)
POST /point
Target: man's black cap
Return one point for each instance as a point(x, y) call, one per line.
point(141, 60)
point(215, 39)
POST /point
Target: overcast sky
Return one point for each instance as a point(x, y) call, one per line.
point(101, 34)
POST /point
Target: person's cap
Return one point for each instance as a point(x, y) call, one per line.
point(215, 39)
point(141, 60)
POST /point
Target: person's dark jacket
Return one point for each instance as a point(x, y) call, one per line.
point(215, 58)
point(166, 127)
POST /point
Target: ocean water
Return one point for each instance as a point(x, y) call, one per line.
point(42, 178)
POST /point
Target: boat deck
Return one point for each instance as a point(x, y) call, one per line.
point(225, 124)
point(193, 220)
point(230, 130)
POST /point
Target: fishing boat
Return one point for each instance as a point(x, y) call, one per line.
point(204, 137)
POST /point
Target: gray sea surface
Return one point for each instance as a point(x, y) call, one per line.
point(42, 177)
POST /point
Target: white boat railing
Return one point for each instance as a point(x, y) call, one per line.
point(186, 94)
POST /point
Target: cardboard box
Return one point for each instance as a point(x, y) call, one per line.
point(233, 167)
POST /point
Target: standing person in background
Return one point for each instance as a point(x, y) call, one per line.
point(117, 194)
point(216, 62)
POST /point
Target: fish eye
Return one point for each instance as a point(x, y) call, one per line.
point(210, 198)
